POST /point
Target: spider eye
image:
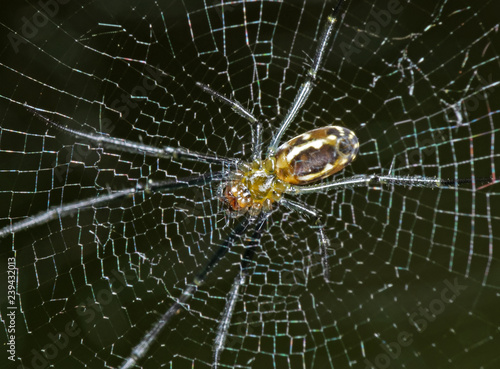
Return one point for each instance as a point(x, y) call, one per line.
point(316, 154)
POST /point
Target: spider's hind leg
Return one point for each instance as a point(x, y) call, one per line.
point(142, 348)
point(324, 242)
point(225, 321)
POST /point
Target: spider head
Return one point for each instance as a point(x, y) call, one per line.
point(255, 188)
point(237, 197)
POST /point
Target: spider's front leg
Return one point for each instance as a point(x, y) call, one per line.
point(166, 186)
point(312, 73)
point(255, 124)
point(123, 145)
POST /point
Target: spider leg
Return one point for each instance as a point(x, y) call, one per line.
point(70, 208)
point(374, 179)
point(324, 242)
point(240, 279)
point(195, 180)
point(240, 110)
point(141, 349)
point(306, 87)
point(59, 211)
point(113, 143)
point(220, 339)
point(257, 142)
point(236, 106)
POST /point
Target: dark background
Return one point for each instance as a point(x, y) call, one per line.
point(112, 268)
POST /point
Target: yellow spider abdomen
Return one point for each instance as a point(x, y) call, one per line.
point(307, 158)
point(316, 154)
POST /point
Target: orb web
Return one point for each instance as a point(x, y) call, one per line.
point(414, 272)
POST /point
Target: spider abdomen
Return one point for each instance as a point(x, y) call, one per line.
point(316, 154)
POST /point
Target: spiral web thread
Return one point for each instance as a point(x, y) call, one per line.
point(418, 83)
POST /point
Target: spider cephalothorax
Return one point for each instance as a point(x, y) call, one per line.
point(255, 187)
point(305, 159)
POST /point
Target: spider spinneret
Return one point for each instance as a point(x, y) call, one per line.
point(304, 159)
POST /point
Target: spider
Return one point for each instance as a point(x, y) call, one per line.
point(251, 191)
